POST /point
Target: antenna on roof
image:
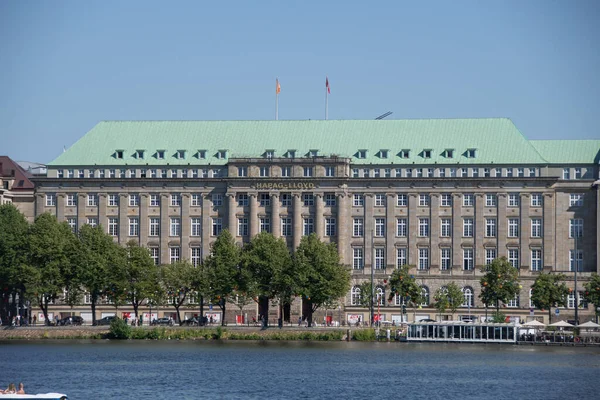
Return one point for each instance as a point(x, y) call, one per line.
point(64, 148)
point(387, 114)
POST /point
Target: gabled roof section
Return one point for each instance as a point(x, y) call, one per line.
point(497, 140)
point(9, 169)
point(569, 151)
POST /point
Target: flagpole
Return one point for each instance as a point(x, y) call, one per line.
point(326, 104)
point(276, 106)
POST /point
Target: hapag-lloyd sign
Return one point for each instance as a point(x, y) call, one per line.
point(285, 185)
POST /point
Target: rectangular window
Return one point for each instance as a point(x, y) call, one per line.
point(423, 259)
point(536, 200)
point(513, 199)
point(490, 200)
point(70, 173)
point(509, 172)
point(134, 200)
point(487, 173)
point(194, 173)
point(308, 226)
point(490, 255)
point(196, 224)
point(134, 226)
point(286, 226)
point(286, 199)
point(154, 200)
point(242, 226)
point(576, 199)
point(308, 172)
point(358, 229)
point(264, 172)
point(468, 200)
point(308, 199)
point(92, 200)
point(380, 200)
point(468, 227)
point(355, 172)
point(113, 200)
point(379, 258)
point(532, 172)
point(452, 172)
point(113, 226)
point(81, 174)
point(379, 227)
point(446, 230)
point(513, 257)
point(520, 172)
point(174, 254)
point(490, 227)
point(330, 199)
point(71, 200)
point(423, 200)
point(536, 227)
point(578, 174)
point(155, 255)
point(265, 224)
point(442, 172)
point(217, 200)
point(131, 173)
point(536, 260)
point(468, 259)
point(357, 258)
point(366, 173)
point(513, 227)
point(265, 200)
point(446, 200)
point(329, 172)
point(358, 200)
point(196, 256)
point(92, 221)
point(196, 200)
point(423, 227)
point(401, 227)
point(446, 258)
point(175, 200)
point(217, 226)
point(72, 222)
point(475, 172)
point(242, 171)
point(286, 172)
point(330, 227)
point(242, 199)
point(576, 227)
point(401, 256)
point(402, 200)
point(387, 172)
point(464, 172)
point(579, 260)
point(175, 227)
point(154, 227)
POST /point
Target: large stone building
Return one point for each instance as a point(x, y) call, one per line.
point(444, 196)
point(16, 187)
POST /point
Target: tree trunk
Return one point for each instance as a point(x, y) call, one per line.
point(94, 301)
point(41, 301)
point(223, 308)
point(549, 315)
point(136, 305)
point(201, 310)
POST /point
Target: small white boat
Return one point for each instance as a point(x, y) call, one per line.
point(51, 396)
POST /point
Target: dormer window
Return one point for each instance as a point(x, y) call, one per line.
point(160, 154)
point(449, 153)
point(119, 154)
point(139, 154)
point(470, 153)
point(404, 153)
point(291, 154)
point(201, 154)
point(269, 153)
point(313, 153)
point(180, 154)
point(427, 153)
point(221, 154)
point(383, 153)
point(362, 154)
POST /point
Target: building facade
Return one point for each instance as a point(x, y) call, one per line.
point(444, 196)
point(16, 187)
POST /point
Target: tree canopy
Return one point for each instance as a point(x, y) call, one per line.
point(549, 290)
point(500, 283)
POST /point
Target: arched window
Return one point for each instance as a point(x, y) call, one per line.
point(530, 302)
point(468, 293)
point(380, 295)
point(513, 303)
point(399, 300)
point(425, 295)
point(355, 296)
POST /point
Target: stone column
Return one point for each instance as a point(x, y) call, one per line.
point(479, 231)
point(123, 220)
point(434, 231)
point(231, 211)
point(343, 233)
point(186, 226)
point(102, 201)
point(502, 226)
point(164, 228)
point(525, 230)
point(144, 222)
point(369, 231)
point(253, 220)
point(275, 218)
point(457, 232)
point(390, 231)
point(319, 219)
point(297, 219)
point(207, 224)
point(549, 227)
point(40, 203)
point(60, 208)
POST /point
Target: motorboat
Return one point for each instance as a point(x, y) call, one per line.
point(50, 396)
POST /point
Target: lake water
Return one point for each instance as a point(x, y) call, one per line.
point(298, 370)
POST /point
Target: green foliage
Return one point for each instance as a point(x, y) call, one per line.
point(139, 275)
point(364, 335)
point(498, 317)
point(403, 284)
point(119, 330)
point(178, 280)
point(500, 283)
point(592, 291)
point(549, 290)
point(365, 295)
point(449, 297)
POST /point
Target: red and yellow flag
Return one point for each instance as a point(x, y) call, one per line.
point(327, 85)
point(277, 86)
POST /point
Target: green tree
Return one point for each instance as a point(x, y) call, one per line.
point(449, 297)
point(48, 252)
point(365, 294)
point(222, 271)
point(265, 260)
point(13, 255)
point(140, 275)
point(178, 280)
point(402, 283)
point(97, 253)
point(323, 278)
point(549, 290)
point(499, 284)
point(592, 292)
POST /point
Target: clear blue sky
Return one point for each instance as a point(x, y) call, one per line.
point(66, 65)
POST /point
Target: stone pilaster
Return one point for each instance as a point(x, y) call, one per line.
point(207, 224)
point(297, 219)
point(60, 207)
point(479, 231)
point(144, 221)
point(343, 230)
point(123, 220)
point(164, 228)
point(231, 211)
point(434, 231)
point(502, 225)
point(275, 218)
point(549, 227)
point(457, 232)
point(102, 204)
point(390, 230)
point(525, 230)
point(186, 226)
point(253, 220)
point(319, 219)
point(369, 231)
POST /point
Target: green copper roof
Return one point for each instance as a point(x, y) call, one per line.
point(495, 140)
point(569, 151)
